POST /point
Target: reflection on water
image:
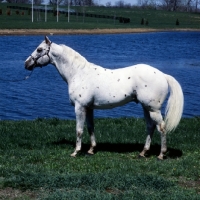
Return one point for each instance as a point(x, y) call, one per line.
point(45, 94)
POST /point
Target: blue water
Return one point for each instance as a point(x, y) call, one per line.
point(45, 94)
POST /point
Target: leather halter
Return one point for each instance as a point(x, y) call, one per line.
point(46, 54)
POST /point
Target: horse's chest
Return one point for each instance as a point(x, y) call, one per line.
point(80, 93)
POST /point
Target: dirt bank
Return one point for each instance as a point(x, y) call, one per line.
point(82, 31)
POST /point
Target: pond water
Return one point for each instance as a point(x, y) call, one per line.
point(45, 94)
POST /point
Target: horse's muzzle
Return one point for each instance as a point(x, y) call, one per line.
point(29, 64)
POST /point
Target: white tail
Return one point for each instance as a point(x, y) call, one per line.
point(175, 104)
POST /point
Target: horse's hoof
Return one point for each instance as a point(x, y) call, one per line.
point(73, 155)
point(89, 154)
point(141, 157)
point(159, 159)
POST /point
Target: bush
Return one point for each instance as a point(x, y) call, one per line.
point(8, 12)
point(142, 21)
point(124, 20)
point(177, 22)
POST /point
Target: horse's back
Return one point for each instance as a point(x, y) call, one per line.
point(145, 83)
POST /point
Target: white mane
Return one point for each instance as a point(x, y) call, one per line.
point(74, 55)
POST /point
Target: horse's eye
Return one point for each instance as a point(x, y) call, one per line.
point(39, 50)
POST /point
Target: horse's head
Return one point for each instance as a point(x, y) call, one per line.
point(40, 57)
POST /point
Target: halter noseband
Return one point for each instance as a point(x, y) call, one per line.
point(36, 59)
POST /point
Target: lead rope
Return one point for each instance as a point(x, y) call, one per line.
point(27, 77)
point(18, 80)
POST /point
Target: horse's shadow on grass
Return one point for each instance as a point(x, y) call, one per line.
point(125, 148)
point(137, 147)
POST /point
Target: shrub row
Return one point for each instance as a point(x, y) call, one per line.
point(144, 22)
point(9, 12)
point(121, 19)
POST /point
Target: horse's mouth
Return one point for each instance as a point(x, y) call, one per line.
point(29, 64)
point(29, 67)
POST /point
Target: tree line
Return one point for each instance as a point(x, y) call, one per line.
point(170, 5)
point(55, 2)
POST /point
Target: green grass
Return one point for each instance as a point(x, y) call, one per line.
point(158, 19)
point(34, 155)
point(35, 161)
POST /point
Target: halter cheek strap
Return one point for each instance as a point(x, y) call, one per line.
point(46, 54)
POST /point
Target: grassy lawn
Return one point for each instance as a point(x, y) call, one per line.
point(157, 19)
point(35, 161)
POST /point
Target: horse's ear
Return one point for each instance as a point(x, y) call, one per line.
point(47, 40)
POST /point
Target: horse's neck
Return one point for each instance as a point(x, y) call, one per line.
point(67, 61)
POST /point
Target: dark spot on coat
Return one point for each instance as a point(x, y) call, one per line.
point(134, 96)
point(129, 77)
point(114, 96)
point(145, 85)
point(154, 72)
point(98, 87)
point(79, 95)
point(95, 68)
point(79, 135)
point(125, 95)
point(118, 80)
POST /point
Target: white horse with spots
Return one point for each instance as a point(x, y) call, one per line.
point(94, 87)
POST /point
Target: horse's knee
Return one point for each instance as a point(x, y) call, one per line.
point(161, 127)
point(158, 120)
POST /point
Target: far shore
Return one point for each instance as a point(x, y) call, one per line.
point(83, 31)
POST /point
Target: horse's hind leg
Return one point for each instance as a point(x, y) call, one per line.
point(157, 118)
point(150, 125)
point(90, 127)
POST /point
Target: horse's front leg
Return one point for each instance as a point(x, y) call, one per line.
point(80, 120)
point(90, 127)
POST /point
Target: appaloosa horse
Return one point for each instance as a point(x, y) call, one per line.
point(94, 87)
